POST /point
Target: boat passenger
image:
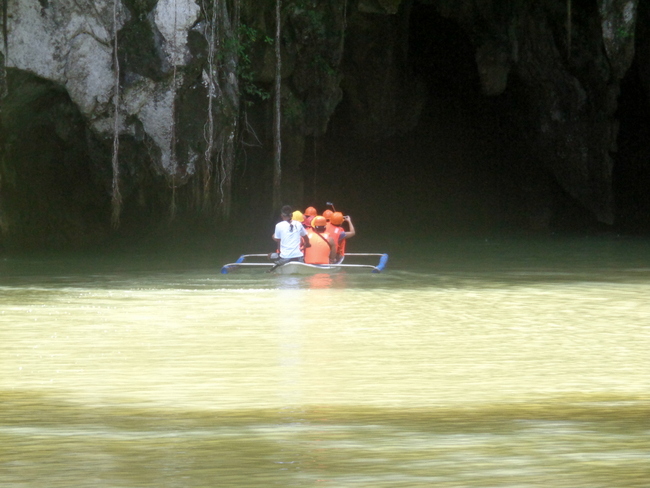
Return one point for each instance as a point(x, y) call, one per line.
point(340, 235)
point(334, 231)
point(298, 216)
point(323, 248)
point(310, 213)
point(289, 235)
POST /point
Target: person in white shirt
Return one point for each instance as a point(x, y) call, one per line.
point(288, 234)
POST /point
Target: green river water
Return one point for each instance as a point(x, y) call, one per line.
point(470, 362)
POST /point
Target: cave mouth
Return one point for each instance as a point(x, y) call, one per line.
point(631, 173)
point(464, 168)
point(432, 176)
point(50, 196)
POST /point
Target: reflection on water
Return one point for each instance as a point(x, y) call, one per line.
point(466, 364)
point(323, 280)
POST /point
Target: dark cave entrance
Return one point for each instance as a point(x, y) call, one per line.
point(50, 195)
point(463, 169)
point(444, 175)
point(632, 160)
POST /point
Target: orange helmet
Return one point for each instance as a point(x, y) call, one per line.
point(337, 218)
point(311, 211)
point(327, 214)
point(319, 221)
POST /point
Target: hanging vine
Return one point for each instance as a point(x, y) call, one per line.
point(222, 33)
point(230, 30)
point(173, 160)
point(4, 25)
point(344, 27)
point(3, 92)
point(5, 54)
point(568, 29)
point(277, 141)
point(208, 129)
point(116, 198)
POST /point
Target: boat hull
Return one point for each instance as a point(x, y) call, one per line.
point(295, 267)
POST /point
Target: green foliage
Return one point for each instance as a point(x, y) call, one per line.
point(293, 110)
point(315, 17)
point(320, 63)
point(242, 45)
point(312, 16)
point(624, 33)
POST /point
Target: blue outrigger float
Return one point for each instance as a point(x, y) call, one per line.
point(295, 267)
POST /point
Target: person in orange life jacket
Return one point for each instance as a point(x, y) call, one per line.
point(289, 235)
point(310, 213)
point(323, 247)
point(335, 229)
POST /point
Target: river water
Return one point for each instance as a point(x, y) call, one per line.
point(469, 362)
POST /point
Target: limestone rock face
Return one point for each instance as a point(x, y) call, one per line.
point(66, 44)
point(386, 98)
point(618, 23)
point(72, 45)
point(493, 63)
point(567, 83)
point(642, 44)
point(195, 79)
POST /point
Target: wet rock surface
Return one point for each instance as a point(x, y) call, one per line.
point(195, 111)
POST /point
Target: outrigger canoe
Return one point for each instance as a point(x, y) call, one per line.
point(295, 267)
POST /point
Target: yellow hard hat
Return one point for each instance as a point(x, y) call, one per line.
point(298, 216)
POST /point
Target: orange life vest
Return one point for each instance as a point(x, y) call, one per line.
point(335, 231)
point(319, 251)
point(340, 249)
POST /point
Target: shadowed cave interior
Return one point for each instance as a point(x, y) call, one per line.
point(464, 168)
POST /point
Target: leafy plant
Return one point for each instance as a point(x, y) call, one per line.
point(243, 45)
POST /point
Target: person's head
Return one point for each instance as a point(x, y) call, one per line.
point(311, 211)
point(327, 214)
point(286, 212)
point(337, 218)
point(298, 216)
point(319, 223)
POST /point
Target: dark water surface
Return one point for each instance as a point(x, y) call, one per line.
point(468, 363)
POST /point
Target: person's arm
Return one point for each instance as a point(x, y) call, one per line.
point(333, 255)
point(303, 236)
point(351, 232)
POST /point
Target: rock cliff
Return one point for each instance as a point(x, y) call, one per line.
point(189, 84)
